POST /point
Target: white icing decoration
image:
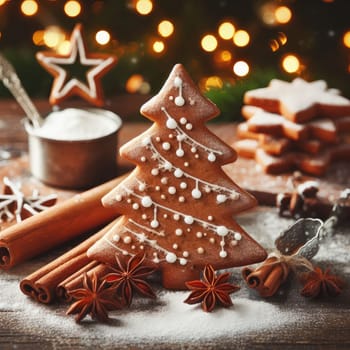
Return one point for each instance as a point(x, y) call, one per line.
point(221, 198)
point(142, 187)
point(143, 159)
point(178, 173)
point(167, 166)
point(146, 141)
point(178, 232)
point(164, 180)
point(180, 152)
point(211, 157)
point(171, 123)
point(116, 238)
point(170, 258)
point(175, 246)
point(154, 172)
point(210, 218)
point(193, 149)
point(223, 254)
point(199, 234)
point(200, 250)
point(182, 199)
point(172, 190)
point(135, 206)
point(196, 193)
point(237, 236)
point(188, 219)
point(146, 201)
point(186, 254)
point(183, 120)
point(154, 223)
point(127, 239)
point(183, 185)
point(166, 146)
point(179, 101)
point(222, 230)
point(177, 82)
point(118, 198)
point(183, 261)
point(189, 126)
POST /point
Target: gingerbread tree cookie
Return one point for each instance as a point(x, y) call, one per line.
point(178, 203)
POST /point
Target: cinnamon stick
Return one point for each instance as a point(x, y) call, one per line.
point(268, 277)
point(41, 284)
point(81, 213)
point(75, 281)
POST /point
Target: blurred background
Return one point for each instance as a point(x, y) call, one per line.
point(228, 47)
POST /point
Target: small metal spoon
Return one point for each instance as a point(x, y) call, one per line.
point(11, 80)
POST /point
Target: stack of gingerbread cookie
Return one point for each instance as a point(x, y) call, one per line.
point(295, 125)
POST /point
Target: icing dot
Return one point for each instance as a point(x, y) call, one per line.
point(200, 250)
point(234, 196)
point(234, 243)
point(146, 201)
point(196, 156)
point(170, 258)
point(193, 149)
point(143, 159)
point(157, 188)
point(118, 197)
point(221, 198)
point(211, 157)
point(199, 234)
point(183, 185)
point(222, 231)
point(165, 216)
point(167, 166)
point(181, 199)
point(171, 136)
point(222, 243)
point(180, 152)
point(133, 247)
point(142, 247)
point(172, 190)
point(154, 171)
point(158, 139)
point(142, 187)
point(175, 246)
point(127, 240)
point(210, 218)
point(183, 261)
point(183, 120)
point(166, 146)
point(129, 200)
point(176, 217)
point(179, 101)
point(237, 236)
point(189, 126)
point(178, 173)
point(163, 196)
point(171, 97)
point(180, 137)
point(186, 164)
point(135, 206)
point(196, 193)
point(144, 216)
point(154, 223)
point(177, 82)
point(164, 180)
point(188, 219)
point(116, 238)
point(171, 123)
point(223, 254)
point(212, 240)
point(178, 232)
point(186, 254)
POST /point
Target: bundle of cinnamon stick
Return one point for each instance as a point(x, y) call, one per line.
point(59, 224)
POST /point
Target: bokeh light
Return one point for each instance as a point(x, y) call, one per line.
point(226, 30)
point(102, 37)
point(241, 38)
point(283, 14)
point(29, 7)
point(346, 39)
point(290, 63)
point(241, 68)
point(158, 46)
point(64, 47)
point(38, 37)
point(209, 43)
point(53, 36)
point(72, 8)
point(2, 2)
point(144, 7)
point(134, 83)
point(213, 82)
point(165, 28)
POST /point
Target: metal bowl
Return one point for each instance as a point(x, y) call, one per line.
point(76, 164)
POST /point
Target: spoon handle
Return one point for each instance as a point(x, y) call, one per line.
point(11, 80)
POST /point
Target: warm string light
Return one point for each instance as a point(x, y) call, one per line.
point(102, 37)
point(291, 63)
point(283, 14)
point(209, 43)
point(241, 38)
point(29, 7)
point(165, 28)
point(226, 30)
point(346, 39)
point(53, 36)
point(241, 68)
point(72, 8)
point(144, 7)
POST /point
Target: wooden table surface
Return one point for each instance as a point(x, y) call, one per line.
point(302, 324)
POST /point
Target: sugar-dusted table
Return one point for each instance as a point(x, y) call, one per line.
point(286, 321)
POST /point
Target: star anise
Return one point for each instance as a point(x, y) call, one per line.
point(212, 290)
point(318, 282)
point(95, 298)
point(131, 277)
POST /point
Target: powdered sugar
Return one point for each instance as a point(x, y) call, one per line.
point(76, 124)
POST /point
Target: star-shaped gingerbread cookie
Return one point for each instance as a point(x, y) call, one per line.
point(65, 86)
point(299, 100)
